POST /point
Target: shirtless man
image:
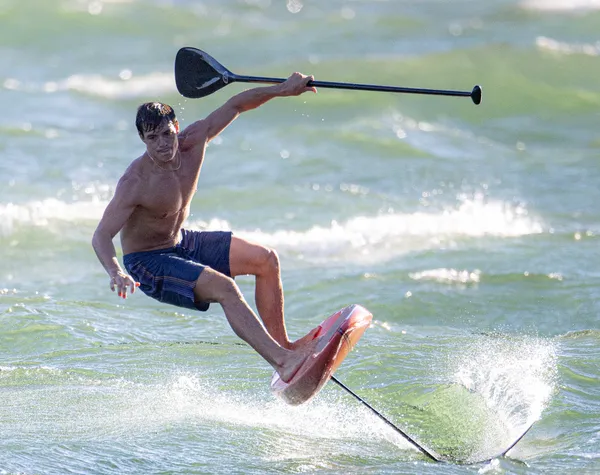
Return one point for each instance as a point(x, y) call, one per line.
point(188, 268)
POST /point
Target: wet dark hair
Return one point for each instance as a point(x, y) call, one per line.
point(152, 114)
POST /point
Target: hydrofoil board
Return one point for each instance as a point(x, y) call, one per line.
point(340, 332)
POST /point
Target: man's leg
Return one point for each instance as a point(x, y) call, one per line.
point(213, 286)
point(246, 258)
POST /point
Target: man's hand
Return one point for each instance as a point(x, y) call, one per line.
point(296, 85)
point(122, 282)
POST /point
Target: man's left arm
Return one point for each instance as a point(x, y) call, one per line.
point(219, 119)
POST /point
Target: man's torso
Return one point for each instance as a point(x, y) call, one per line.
point(163, 199)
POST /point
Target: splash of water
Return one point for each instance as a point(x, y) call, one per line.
point(515, 377)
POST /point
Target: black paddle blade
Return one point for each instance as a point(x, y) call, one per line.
point(197, 74)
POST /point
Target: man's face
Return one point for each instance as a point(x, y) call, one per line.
point(162, 143)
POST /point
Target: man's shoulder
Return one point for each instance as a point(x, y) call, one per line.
point(196, 126)
point(193, 134)
point(133, 175)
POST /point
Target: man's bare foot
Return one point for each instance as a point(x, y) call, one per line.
point(296, 358)
point(300, 342)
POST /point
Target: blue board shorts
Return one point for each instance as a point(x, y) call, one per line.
point(170, 275)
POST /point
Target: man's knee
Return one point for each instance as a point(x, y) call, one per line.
point(270, 262)
point(212, 286)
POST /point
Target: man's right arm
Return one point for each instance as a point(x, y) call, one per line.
point(202, 131)
point(116, 214)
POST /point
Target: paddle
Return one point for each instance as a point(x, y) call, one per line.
point(197, 74)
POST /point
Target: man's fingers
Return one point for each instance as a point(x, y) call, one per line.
point(129, 285)
point(121, 290)
point(122, 285)
point(310, 88)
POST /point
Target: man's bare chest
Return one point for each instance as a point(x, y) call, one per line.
point(167, 195)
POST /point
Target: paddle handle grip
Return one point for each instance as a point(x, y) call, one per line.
point(475, 94)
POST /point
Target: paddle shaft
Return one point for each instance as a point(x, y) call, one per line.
point(356, 87)
point(384, 419)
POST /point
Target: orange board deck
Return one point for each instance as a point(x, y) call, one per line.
point(340, 332)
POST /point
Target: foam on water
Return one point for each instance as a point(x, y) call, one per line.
point(448, 276)
point(101, 408)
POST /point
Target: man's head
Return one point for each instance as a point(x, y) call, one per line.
point(158, 128)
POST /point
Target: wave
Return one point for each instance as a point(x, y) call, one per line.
point(549, 44)
point(576, 334)
point(448, 276)
point(560, 5)
point(388, 234)
point(126, 86)
point(396, 233)
point(465, 276)
point(47, 213)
